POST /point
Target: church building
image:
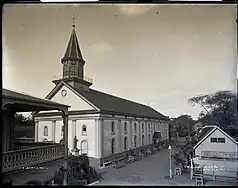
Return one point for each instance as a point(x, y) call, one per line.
point(103, 124)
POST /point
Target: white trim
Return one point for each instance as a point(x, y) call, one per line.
point(54, 90)
point(93, 183)
point(60, 85)
point(36, 131)
point(85, 100)
point(228, 136)
point(53, 129)
point(213, 130)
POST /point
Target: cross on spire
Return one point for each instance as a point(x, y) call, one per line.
point(74, 18)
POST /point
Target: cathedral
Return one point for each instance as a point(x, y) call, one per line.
point(103, 124)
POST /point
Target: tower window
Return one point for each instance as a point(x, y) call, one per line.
point(84, 130)
point(45, 131)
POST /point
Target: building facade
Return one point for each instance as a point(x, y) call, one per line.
point(216, 152)
point(102, 123)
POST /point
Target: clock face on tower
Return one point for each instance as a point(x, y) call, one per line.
point(63, 93)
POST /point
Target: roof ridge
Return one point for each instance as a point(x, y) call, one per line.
point(119, 97)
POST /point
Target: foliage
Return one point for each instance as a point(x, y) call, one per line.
point(219, 108)
point(181, 125)
point(24, 127)
point(182, 156)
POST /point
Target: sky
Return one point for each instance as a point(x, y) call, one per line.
point(158, 55)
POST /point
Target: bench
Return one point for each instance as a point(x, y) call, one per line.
point(153, 150)
point(119, 162)
point(106, 163)
point(148, 152)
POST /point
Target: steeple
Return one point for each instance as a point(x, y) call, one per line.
point(73, 51)
point(73, 63)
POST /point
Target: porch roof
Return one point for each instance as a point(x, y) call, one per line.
point(20, 102)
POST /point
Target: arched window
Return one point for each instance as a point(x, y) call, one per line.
point(143, 140)
point(125, 127)
point(142, 127)
point(113, 128)
point(135, 128)
point(84, 130)
point(62, 131)
point(135, 141)
point(84, 147)
point(113, 145)
point(149, 139)
point(45, 131)
point(125, 143)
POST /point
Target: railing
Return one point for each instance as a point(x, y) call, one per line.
point(28, 145)
point(24, 140)
point(109, 159)
point(58, 77)
point(15, 160)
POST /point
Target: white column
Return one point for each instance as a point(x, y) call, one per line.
point(36, 131)
point(146, 132)
point(139, 133)
point(96, 137)
point(118, 136)
point(101, 137)
point(53, 130)
point(74, 128)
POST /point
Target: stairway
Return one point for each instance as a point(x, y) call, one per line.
point(198, 175)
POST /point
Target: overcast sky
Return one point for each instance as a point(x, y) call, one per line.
point(156, 54)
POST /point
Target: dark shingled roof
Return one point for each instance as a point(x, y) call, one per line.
point(73, 50)
point(204, 132)
point(110, 103)
point(25, 97)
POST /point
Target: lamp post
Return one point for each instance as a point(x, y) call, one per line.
point(170, 162)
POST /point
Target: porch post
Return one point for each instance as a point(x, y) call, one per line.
point(36, 131)
point(66, 150)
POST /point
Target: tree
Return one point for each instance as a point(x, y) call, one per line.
point(182, 125)
point(25, 126)
point(219, 108)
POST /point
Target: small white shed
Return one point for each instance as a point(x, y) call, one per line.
point(216, 152)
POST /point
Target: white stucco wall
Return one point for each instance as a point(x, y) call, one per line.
point(41, 126)
point(219, 167)
point(119, 132)
point(72, 100)
point(90, 137)
point(228, 146)
point(99, 143)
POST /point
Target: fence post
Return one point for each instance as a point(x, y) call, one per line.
point(191, 167)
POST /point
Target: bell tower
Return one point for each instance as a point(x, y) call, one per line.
point(73, 63)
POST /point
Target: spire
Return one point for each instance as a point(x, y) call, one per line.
point(73, 50)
